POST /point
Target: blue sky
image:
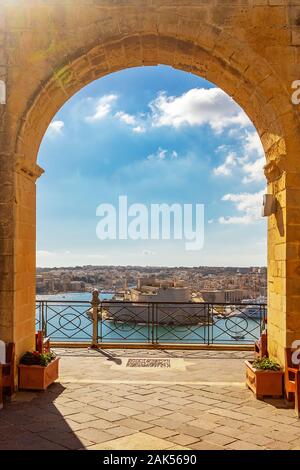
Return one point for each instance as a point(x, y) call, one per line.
point(157, 135)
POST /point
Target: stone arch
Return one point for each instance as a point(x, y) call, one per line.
point(235, 68)
point(249, 49)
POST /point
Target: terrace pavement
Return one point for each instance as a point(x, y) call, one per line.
point(195, 400)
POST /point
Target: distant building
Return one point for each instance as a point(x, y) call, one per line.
point(187, 309)
point(154, 290)
point(222, 296)
point(76, 286)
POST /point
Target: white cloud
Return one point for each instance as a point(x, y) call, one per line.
point(222, 148)
point(127, 118)
point(226, 168)
point(139, 129)
point(197, 107)
point(253, 143)
point(254, 159)
point(162, 154)
point(55, 128)
point(103, 108)
point(254, 170)
point(148, 253)
point(135, 122)
point(250, 162)
point(248, 204)
point(236, 220)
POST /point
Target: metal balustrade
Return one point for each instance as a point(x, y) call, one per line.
point(155, 323)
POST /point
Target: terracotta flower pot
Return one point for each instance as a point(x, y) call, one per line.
point(264, 382)
point(38, 377)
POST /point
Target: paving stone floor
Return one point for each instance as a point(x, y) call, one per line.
point(200, 402)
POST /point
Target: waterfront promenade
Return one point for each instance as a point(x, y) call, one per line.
point(106, 400)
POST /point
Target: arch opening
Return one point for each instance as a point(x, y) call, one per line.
point(161, 115)
point(237, 75)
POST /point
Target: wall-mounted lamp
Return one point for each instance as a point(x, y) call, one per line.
point(269, 205)
point(2, 92)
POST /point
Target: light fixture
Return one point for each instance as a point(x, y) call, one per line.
point(269, 205)
point(2, 92)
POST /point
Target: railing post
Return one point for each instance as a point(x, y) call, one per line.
point(95, 305)
point(43, 325)
point(153, 330)
point(209, 319)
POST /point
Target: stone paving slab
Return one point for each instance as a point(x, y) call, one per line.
point(138, 441)
point(103, 409)
point(185, 365)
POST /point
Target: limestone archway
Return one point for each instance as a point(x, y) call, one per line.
point(52, 51)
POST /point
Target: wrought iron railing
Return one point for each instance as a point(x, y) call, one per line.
point(156, 323)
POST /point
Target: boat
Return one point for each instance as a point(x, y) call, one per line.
point(251, 313)
point(253, 310)
point(238, 337)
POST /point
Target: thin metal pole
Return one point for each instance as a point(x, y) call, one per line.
point(44, 323)
point(208, 325)
point(95, 304)
point(152, 322)
point(100, 320)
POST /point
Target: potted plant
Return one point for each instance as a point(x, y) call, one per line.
point(37, 370)
point(264, 377)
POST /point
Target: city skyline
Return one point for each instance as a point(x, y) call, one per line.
point(241, 283)
point(149, 266)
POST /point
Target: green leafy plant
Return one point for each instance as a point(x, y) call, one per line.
point(265, 364)
point(36, 358)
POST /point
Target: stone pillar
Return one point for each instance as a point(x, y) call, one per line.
point(6, 206)
point(6, 201)
point(25, 257)
point(6, 247)
point(17, 254)
point(292, 271)
point(283, 258)
point(276, 264)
